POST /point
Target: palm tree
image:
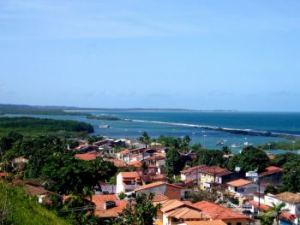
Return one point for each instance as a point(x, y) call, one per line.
point(276, 211)
point(145, 139)
point(273, 214)
point(185, 143)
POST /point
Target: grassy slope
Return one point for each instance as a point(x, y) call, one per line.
point(23, 210)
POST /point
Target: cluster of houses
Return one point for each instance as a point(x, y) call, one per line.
point(142, 170)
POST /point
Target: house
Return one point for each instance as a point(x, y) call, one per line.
point(161, 188)
point(213, 175)
point(272, 175)
point(217, 212)
point(157, 161)
point(176, 212)
point(108, 206)
point(107, 145)
point(150, 178)
point(34, 188)
point(191, 175)
point(206, 176)
point(242, 187)
point(107, 188)
point(129, 155)
point(291, 200)
point(128, 181)
point(138, 154)
point(86, 148)
point(19, 163)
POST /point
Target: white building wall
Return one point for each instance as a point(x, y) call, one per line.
point(120, 185)
point(155, 190)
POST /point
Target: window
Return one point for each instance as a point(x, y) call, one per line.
point(239, 223)
point(228, 223)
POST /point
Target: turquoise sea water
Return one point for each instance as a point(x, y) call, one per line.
point(180, 123)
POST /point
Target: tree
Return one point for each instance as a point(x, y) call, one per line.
point(185, 143)
point(266, 218)
point(210, 157)
point(226, 150)
point(65, 174)
point(281, 159)
point(169, 142)
point(291, 176)
point(273, 214)
point(6, 142)
point(276, 211)
point(174, 163)
point(251, 159)
point(141, 213)
point(78, 210)
point(145, 139)
point(271, 189)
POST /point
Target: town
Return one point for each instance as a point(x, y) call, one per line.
point(162, 181)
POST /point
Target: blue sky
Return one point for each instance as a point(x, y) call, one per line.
point(201, 54)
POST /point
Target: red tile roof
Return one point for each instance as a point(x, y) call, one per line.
point(239, 183)
point(100, 211)
point(192, 169)
point(287, 216)
point(217, 212)
point(130, 175)
point(262, 207)
point(117, 163)
point(159, 198)
point(211, 170)
point(99, 200)
point(156, 158)
point(186, 213)
point(205, 222)
point(87, 156)
point(289, 197)
point(215, 170)
point(271, 170)
point(3, 174)
point(137, 164)
point(156, 184)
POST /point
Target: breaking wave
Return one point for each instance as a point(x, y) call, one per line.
point(251, 132)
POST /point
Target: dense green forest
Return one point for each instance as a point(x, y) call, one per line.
point(17, 208)
point(37, 126)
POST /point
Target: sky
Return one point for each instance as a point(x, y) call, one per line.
point(194, 54)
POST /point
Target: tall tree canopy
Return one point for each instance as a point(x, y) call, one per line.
point(145, 139)
point(65, 174)
point(141, 213)
point(174, 163)
point(250, 159)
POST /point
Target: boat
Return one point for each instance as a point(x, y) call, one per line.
point(235, 146)
point(104, 126)
point(221, 142)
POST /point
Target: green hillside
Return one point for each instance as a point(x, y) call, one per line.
point(16, 208)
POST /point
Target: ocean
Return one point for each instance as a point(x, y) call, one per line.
point(206, 128)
